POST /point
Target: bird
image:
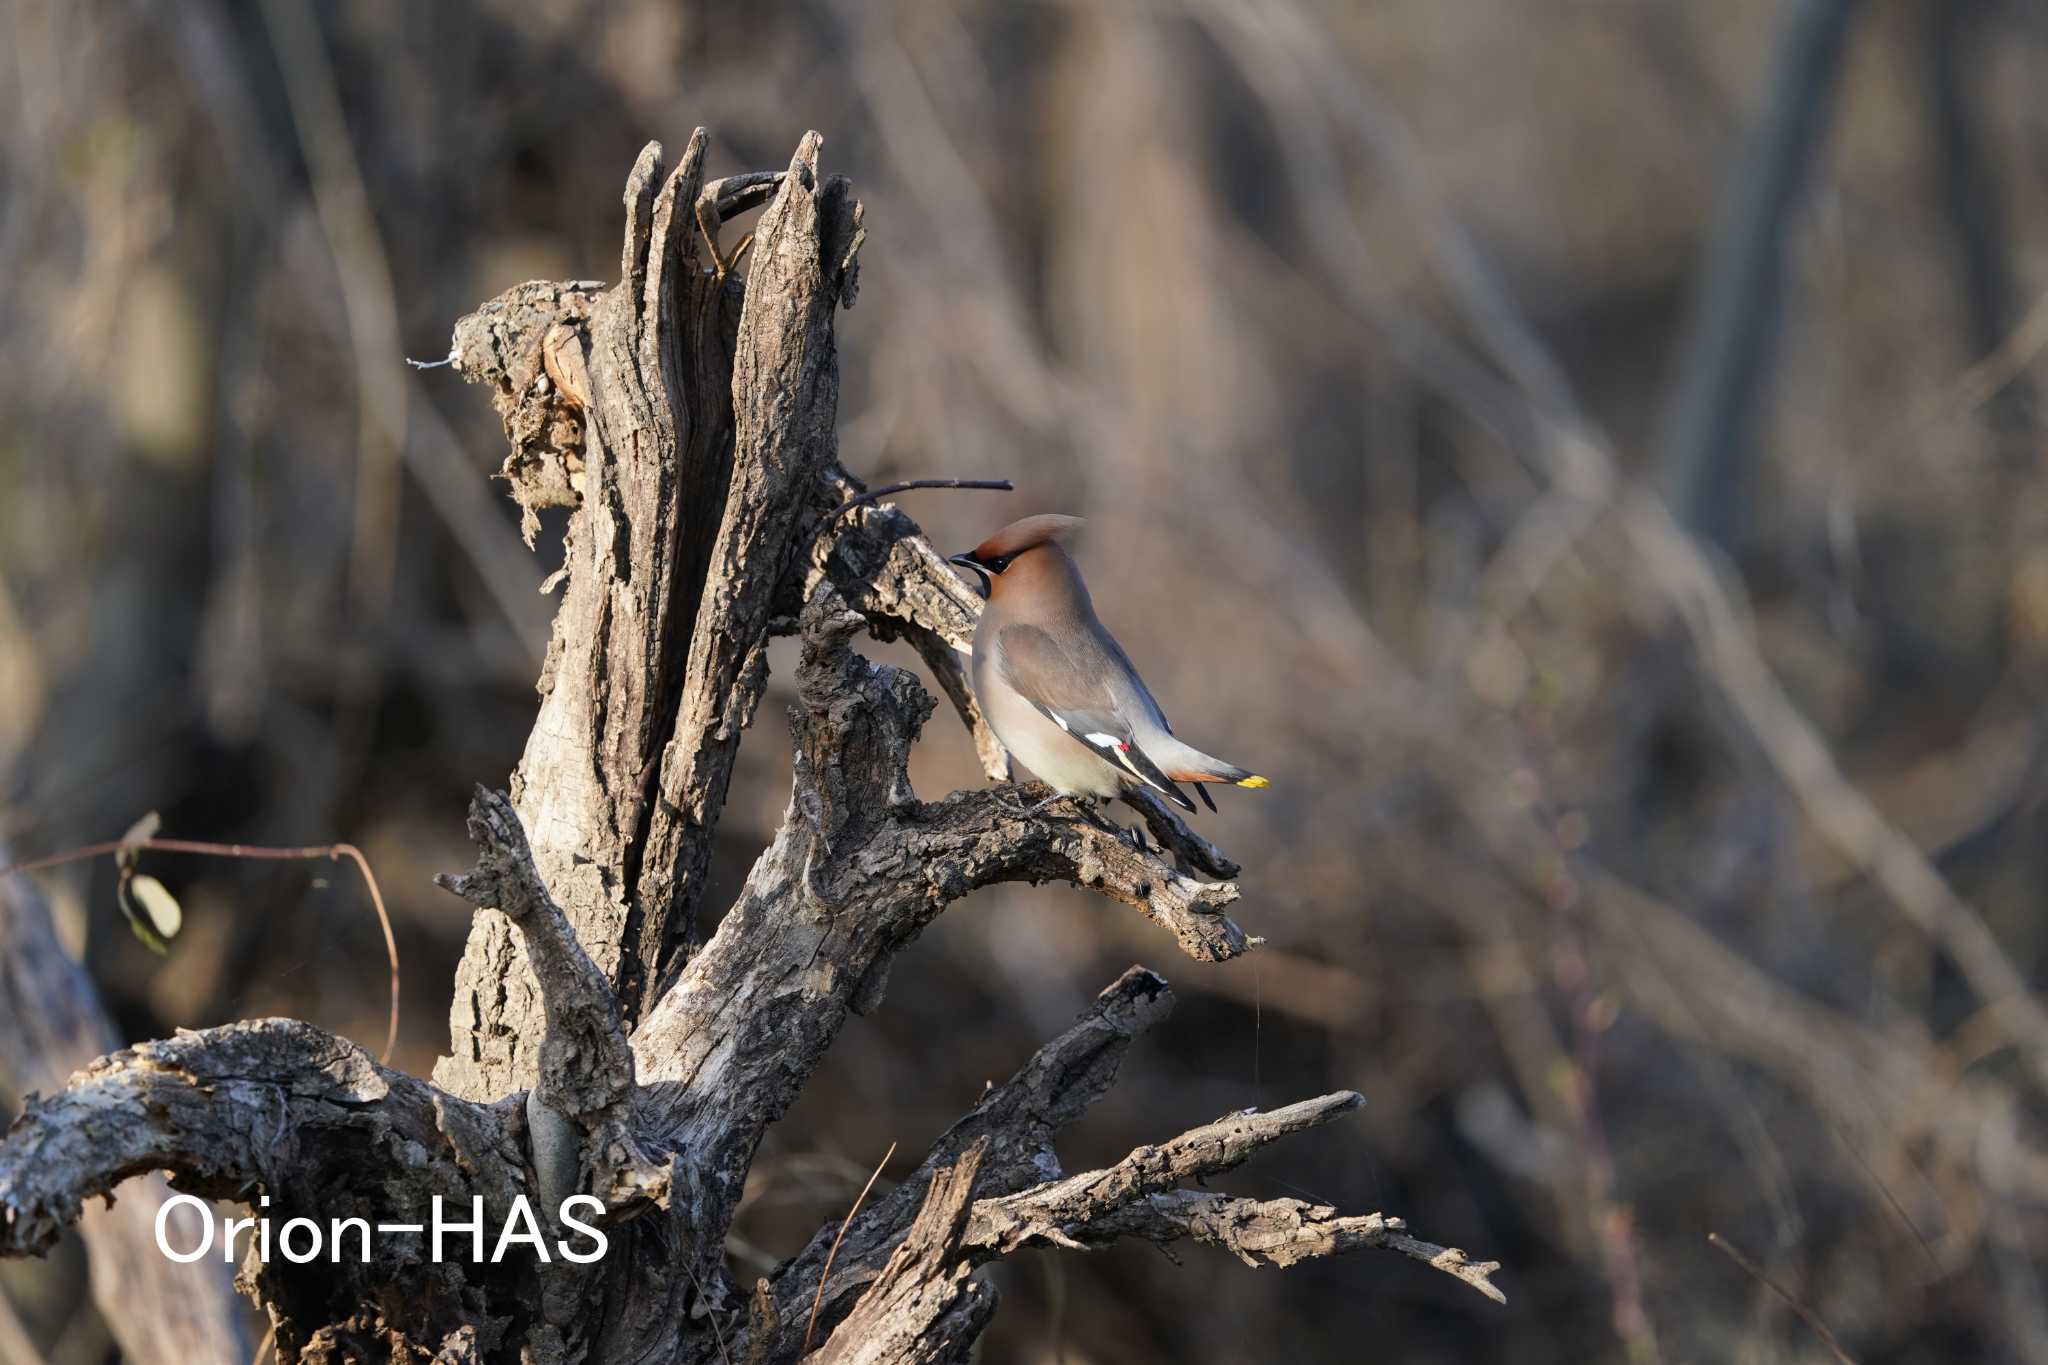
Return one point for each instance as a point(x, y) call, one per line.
point(1057, 688)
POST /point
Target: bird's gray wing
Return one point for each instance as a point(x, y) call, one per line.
point(1142, 698)
point(1087, 693)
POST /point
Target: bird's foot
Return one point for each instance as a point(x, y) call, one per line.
point(1135, 837)
point(1084, 806)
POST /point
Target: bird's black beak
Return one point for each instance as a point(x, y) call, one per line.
point(967, 561)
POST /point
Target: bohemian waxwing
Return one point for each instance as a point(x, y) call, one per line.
point(1057, 688)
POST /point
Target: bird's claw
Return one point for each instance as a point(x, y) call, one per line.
point(1134, 835)
point(1037, 808)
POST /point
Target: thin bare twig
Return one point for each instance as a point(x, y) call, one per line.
point(717, 1332)
point(1807, 1315)
point(890, 489)
point(1898, 1209)
point(254, 851)
point(826, 1274)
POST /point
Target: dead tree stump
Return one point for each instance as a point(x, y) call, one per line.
point(686, 415)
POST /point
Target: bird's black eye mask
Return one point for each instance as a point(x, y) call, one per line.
point(985, 571)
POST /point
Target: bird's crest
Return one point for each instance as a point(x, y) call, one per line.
point(1049, 528)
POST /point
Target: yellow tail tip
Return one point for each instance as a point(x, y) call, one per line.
point(1253, 782)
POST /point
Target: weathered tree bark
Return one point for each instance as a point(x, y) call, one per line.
point(686, 415)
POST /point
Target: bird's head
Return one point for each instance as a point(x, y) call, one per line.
point(1014, 545)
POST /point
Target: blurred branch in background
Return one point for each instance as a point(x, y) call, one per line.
point(367, 293)
point(1706, 452)
point(1674, 566)
point(1974, 205)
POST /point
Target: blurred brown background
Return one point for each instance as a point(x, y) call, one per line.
point(1358, 330)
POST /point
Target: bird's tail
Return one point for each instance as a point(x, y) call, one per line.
point(1185, 763)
